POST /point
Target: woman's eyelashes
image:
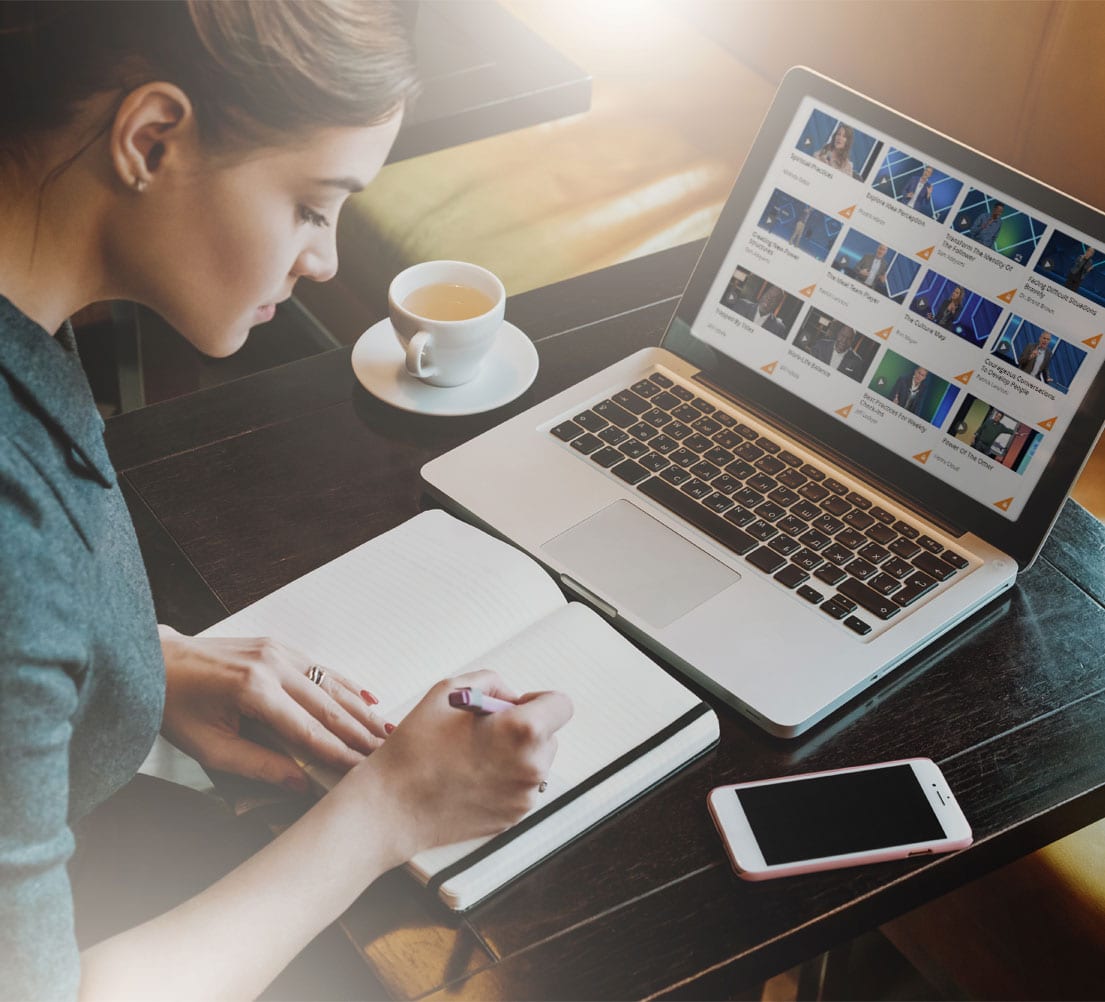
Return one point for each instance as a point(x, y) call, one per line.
point(309, 215)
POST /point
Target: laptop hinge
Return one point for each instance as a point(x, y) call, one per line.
point(834, 458)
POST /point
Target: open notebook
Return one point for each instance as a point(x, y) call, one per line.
point(435, 597)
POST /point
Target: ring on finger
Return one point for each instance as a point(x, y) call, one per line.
point(316, 674)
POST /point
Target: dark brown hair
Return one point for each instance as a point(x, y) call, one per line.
point(258, 72)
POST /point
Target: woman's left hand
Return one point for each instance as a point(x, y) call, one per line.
point(213, 683)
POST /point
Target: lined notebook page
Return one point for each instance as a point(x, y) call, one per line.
point(412, 606)
point(621, 699)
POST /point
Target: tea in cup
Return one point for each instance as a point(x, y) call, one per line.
point(446, 315)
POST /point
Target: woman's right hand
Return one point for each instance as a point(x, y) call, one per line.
point(449, 775)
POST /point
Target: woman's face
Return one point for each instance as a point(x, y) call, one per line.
point(840, 140)
point(223, 244)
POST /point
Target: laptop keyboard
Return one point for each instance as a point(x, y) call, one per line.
point(834, 547)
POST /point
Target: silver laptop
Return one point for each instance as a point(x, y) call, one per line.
point(877, 389)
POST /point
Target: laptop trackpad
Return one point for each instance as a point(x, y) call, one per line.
point(639, 565)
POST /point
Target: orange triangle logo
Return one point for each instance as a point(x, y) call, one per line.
point(1094, 341)
point(1007, 297)
point(1003, 505)
point(884, 333)
point(847, 213)
point(1049, 423)
point(926, 253)
point(965, 377)
point(923, 457)
point(844, 411)
point(769, 368)
point(808, 291)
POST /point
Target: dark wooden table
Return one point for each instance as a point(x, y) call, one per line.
point(239, 489)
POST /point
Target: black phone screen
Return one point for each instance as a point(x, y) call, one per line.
point(835, 815)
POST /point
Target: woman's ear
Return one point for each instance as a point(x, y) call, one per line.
point(152, 120)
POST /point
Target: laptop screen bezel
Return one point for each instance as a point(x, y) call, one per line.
point(899, 477)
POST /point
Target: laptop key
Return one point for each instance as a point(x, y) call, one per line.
point(878, 605)
point(682, 393)
point(805, 510)
point(747, 431)
point(770, 465)
point(933, 566)
point(913, 591)
point(675, 475)
point(791, 576)
point(770, 512)
point(727, 439)
point(838, 610)
point(630, 472)
point(613, 436)
point(704, 470)
point(643, 431)
point(677, 430)
point(814, 492)
point(785, 544)
point(839, 555)
point(873, 552)
point(666, 400)
point(814, 540)
point(836, 506)
point(898, 567)
point(724, 419)
point(905, 529)
point(740, 469)
point(587, 444)
point(827, 524)
point(790, 458)
point(835, 486)
point(696, 488)
point(766, 559)
point(806, 559)
point(761, 530)
point(700, 443)
point(881, 533)
point(829, 574)
point(739, 515)
point(661, 380)
point(656, 417)
point(845, 603)
point(811, 595)
point(792, 479)
point(904, 548)
point(645, 388)
point(707, 425)
point(684, 457)
point(768, 445)
point(686, 413)
point(858, 519)
point(631, 402)
point(748, 451)
point(850, 538)
point(703, 405)
point(882, 515)
point(633, 449)
point(748, 497)
point(793, 526)
point(567, 430)
point(591, 421)
point(663, 444)
point(725, 483)
point(956, 560)
point(857, 625)
point(884, 584)
point(654, 462)
point(721, 529)
point(718, 456)
point(718, 502)
point(860, 568)
point(762, 482)
point(858, 500)
point(812, 472)
point(607, 457)
point(930, 544)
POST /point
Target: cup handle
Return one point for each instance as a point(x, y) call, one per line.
point(416, 349)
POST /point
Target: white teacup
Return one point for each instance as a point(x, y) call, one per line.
point(446, 315)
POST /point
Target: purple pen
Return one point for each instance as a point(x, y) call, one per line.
point(477, 701)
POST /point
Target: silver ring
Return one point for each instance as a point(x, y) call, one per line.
point(316, 674)
point(542, 786)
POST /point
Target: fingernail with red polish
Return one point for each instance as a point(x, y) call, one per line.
point(388, 728)
point(368, 697)
point(297, 784)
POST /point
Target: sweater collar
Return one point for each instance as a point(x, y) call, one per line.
point(47, 370)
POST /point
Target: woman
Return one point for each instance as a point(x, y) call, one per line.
point(192, 156)
point(837, 152)
point(949, 308)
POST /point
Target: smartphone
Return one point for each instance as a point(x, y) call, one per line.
point(841, 817)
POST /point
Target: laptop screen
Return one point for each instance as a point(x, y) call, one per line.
point(921, 309)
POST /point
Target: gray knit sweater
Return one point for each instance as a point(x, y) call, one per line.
point(82, 680)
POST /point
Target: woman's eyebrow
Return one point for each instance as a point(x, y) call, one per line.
point(350, 184)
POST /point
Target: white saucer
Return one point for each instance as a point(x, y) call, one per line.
point(508, 371)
